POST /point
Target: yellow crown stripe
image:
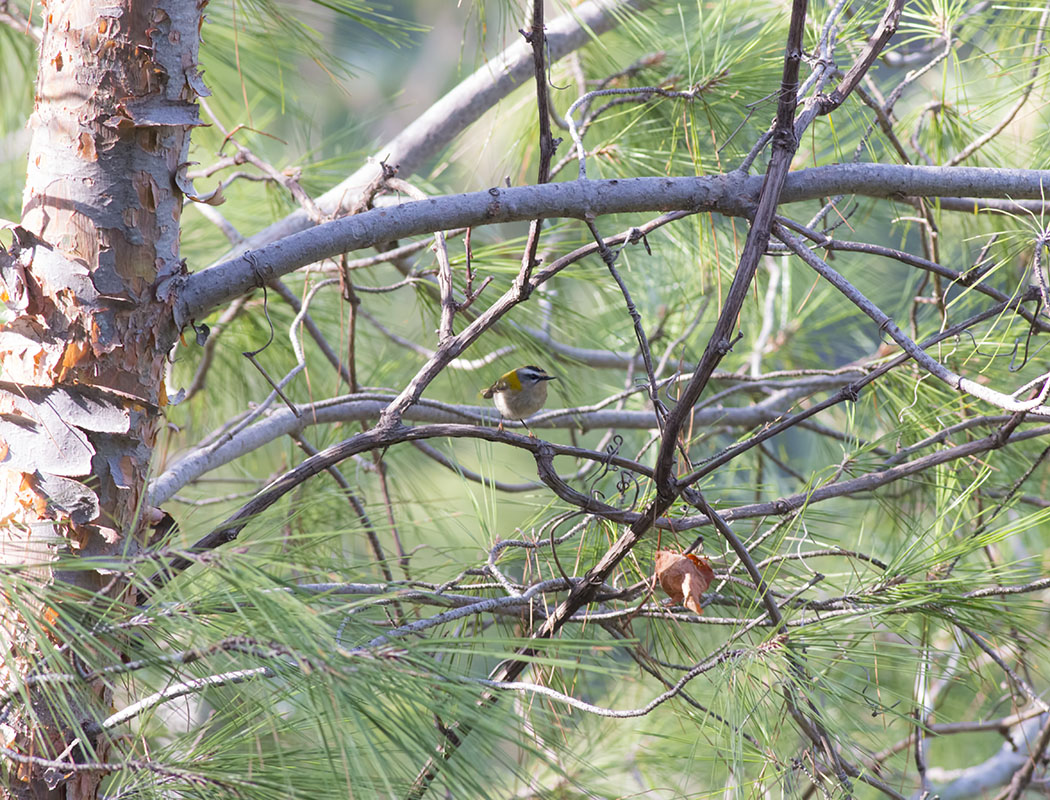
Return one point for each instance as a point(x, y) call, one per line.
point(511, 380)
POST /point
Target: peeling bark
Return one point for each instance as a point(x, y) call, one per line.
point(89, 280)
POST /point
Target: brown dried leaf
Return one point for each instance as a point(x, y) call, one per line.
point(685, 578)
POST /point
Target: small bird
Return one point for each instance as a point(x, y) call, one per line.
point(520, 393)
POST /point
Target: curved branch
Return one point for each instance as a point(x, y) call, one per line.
point(452, 114)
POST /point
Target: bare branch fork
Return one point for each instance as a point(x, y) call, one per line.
point(1008, 402)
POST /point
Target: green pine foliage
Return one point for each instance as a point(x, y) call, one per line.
point(342, 639)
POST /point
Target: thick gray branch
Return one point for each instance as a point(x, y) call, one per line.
point(980, 779)
point(733, 194)
point(194, 463)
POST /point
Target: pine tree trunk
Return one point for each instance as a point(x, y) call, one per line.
point(90, 279)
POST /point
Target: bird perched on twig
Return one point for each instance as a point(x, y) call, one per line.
point(519, 393)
